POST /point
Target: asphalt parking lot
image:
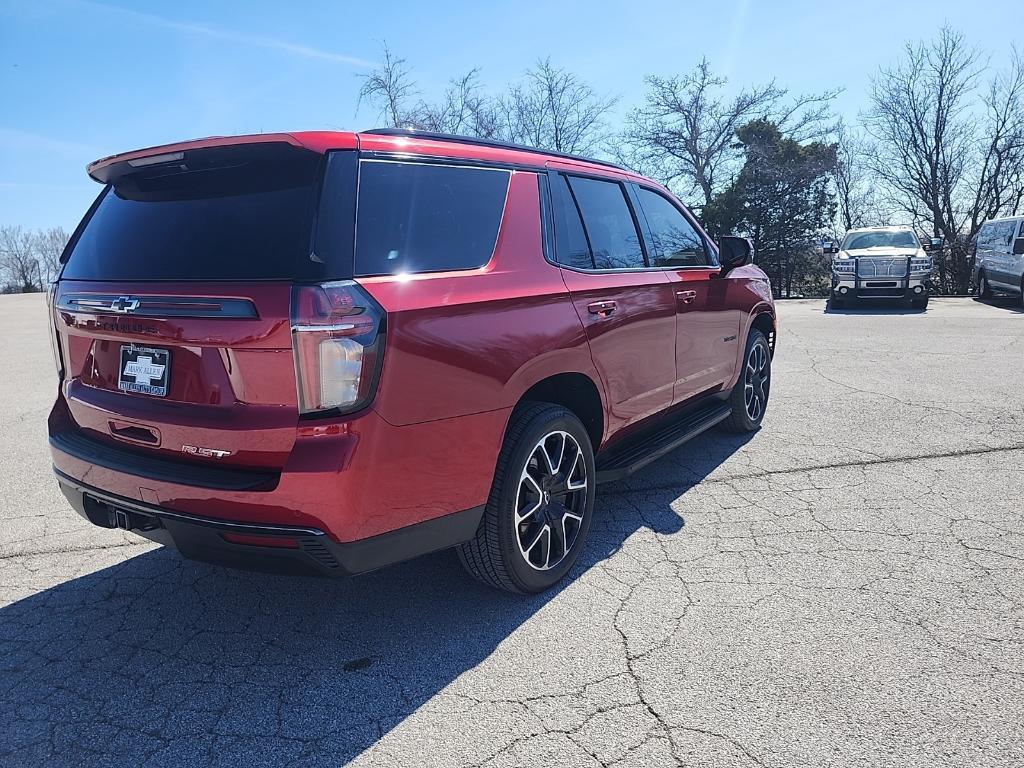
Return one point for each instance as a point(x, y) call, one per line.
point(846, 587)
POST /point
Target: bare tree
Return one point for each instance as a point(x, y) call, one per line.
point(948, 158)
point(553, 109)
point(49, 245)
point(999, 183)
point(19, 268)
point(465, 109)
point(856, 196)
point(390, 88)
point(686, 130)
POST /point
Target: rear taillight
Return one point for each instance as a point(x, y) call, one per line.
point(337, 332)
point(51, 301)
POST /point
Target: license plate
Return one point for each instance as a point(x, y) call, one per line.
point(144, 369)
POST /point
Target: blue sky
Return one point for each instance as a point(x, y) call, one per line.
point(81, 79)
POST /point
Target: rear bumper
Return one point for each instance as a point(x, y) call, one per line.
point(290, 549)
point(364, 479)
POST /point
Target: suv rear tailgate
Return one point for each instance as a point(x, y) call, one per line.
point(230, 381)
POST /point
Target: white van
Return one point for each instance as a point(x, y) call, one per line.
point(999, 258)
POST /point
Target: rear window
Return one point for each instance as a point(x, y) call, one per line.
point(222, 214)
point(419, 217)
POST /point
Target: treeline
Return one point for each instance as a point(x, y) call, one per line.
point(938, 145)
point(29, 259)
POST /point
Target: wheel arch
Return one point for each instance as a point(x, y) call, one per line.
point(764, 321)
point(575, 391)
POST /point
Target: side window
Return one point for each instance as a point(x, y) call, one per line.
point(571, 245)
point(676, 242)
point(420, 217)
point(985, 235)
point(614, 241)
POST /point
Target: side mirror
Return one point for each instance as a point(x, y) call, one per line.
point(1018, 246)
point(829, 248)
point(735, 252)
point(935, 244)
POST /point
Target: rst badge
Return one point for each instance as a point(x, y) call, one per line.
point(197, 450)
point(144, 369)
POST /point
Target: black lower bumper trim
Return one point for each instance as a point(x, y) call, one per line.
point(154, 468)
point(314, 554)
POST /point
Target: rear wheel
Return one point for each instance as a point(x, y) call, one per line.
point(542, 499)
point(749, 397)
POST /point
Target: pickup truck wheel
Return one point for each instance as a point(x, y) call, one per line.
point(919, 303)
point(984, 289)
point(749, 397)
point(836, 303)
point(542, 499)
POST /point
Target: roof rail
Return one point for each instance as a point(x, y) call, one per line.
point(454, 138)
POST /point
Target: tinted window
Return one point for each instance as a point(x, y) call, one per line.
point(426, 218)
point(676, 242)
point(235, 214)
point(570, 240)
point(610, 228)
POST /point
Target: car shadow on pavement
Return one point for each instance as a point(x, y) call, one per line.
point(1009, 303)
point(161, 661)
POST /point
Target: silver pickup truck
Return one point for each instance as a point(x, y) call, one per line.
point(881, 263)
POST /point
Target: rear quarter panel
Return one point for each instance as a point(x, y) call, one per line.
point(468, 342)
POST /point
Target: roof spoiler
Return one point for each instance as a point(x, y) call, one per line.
point(106, 170)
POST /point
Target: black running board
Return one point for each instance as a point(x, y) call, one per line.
point(624, 461)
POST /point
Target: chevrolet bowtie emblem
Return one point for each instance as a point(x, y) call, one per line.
point(124, 304)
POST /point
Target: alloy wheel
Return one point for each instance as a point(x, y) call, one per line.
point(756, 382)
point(551, 500)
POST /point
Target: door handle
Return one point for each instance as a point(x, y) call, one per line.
point(602, 308)
point(686, 296)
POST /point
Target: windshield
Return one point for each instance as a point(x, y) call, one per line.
point(857, 240)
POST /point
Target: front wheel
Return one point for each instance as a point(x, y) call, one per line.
point(984, 289)
point(749, 397)
point(919, 303)
point(542, 499)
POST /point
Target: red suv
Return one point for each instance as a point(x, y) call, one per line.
point(327, 352)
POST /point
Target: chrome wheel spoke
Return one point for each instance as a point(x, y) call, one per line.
point(523, 514)
point(576, 477)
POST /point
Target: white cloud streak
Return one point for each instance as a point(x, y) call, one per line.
point(258, 41)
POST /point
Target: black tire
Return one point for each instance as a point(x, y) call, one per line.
point(836, 303)
point(984, 289)
point(919, 303)
point(1022, 291)
point(495, 555)
point(742, 418)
